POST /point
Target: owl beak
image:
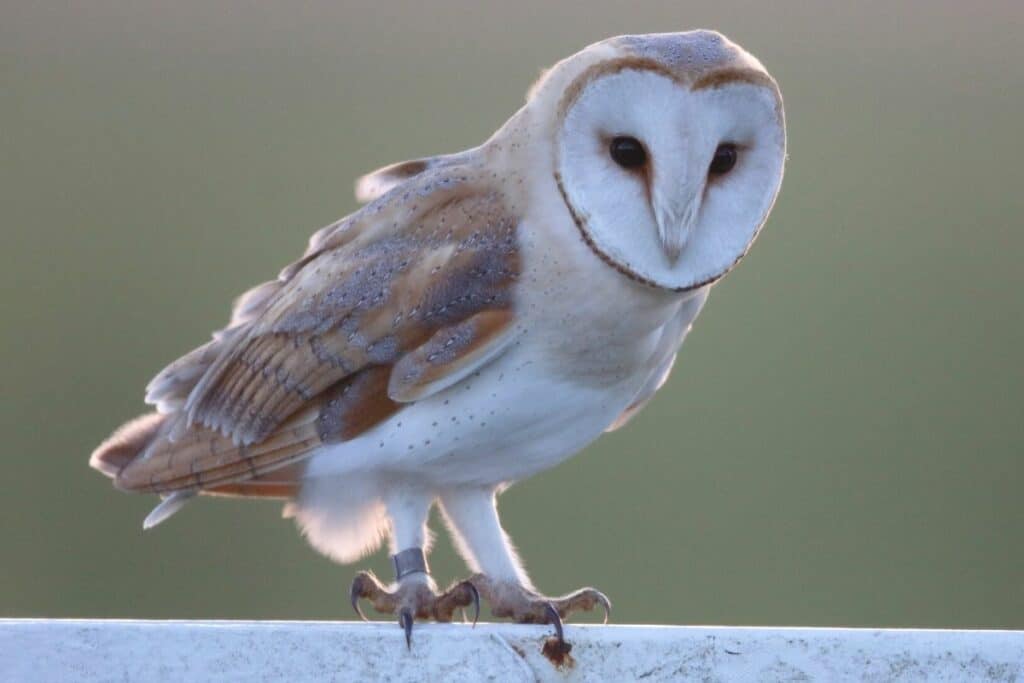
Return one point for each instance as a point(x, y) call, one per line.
point(676, 221)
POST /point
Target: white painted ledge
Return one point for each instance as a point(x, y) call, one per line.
point(101, 650)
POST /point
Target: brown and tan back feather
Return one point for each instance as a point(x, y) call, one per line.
point(419, 280)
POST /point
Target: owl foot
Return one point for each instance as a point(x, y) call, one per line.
point(524, 606)
point(413, 599)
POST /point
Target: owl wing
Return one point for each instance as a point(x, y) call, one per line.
point(656, 380)
point(398, 301)
point(377, 183)
point(673, 334)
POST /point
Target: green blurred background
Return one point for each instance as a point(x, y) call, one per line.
point(841, 443)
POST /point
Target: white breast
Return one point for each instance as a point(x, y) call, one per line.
point(505, 423)
point(518, 416)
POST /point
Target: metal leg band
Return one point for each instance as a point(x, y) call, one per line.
point(409, 561)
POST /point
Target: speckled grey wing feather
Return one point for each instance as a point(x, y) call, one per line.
point(309, 358)
point(377, 183)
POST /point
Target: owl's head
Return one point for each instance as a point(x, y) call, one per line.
point(668, 152)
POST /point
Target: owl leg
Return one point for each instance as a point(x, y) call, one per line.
point(414, 594)
point(500, 578)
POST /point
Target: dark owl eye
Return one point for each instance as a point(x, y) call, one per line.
point(724, 159)
point(628, 152)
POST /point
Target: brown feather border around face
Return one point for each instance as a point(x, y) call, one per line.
point(711, 78)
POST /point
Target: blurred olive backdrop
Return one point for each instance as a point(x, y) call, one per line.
point(840, 443)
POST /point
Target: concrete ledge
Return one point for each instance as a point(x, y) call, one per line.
point(108, 650)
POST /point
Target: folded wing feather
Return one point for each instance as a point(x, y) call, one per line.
point(341, 341)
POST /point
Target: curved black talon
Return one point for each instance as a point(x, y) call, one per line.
point(555, 620)
point(606, 603)
point(476, 600)
point(405, 619)
point(354, 592)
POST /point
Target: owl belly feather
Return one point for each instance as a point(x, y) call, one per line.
point(504, 423)
point(523, 413)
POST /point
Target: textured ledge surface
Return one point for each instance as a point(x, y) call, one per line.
point(108, 650)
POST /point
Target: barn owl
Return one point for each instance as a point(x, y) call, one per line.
point(484, 316)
